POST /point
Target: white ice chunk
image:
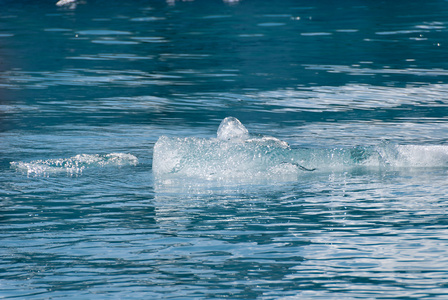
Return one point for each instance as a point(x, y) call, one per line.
point(65, 2)
point(232, 129)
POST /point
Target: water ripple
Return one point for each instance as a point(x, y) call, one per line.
point(87, 77)
point(370, 71)
point(350, 97)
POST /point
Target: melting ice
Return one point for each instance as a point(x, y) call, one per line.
point(74, 165)
point(232, 129)
point(235, 154)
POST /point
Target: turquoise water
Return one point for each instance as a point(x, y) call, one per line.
point(115, 182)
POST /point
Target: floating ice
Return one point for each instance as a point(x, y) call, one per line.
point(236, 155)
point(231, 128)
point(67, 3)
point(74, 165)
point(414, 156)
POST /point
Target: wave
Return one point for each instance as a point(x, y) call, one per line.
point(74, 165)
point(237, 155)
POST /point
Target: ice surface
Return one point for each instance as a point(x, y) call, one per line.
point(74, 165)
point(232, 129)
point(234, 154)
point(239, 156)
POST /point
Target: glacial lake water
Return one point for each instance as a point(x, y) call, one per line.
point(115, 185)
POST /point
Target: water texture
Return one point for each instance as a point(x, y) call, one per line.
point(118, 182)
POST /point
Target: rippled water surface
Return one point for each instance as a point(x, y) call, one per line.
point(355, 90)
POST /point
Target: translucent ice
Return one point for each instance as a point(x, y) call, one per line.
point(74, 165)
point(236, 155)
point(231, 128)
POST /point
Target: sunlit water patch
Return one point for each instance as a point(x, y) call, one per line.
point(356, 96)
point(366, 71)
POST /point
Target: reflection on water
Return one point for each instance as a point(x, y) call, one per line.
point(310, 242)
point(301, 44)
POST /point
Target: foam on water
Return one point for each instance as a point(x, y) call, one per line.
point(237, 155)
point(74, 165)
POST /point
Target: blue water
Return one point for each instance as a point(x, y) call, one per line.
point(115, 182)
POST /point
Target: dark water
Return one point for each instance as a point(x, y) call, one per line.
point(87, 89)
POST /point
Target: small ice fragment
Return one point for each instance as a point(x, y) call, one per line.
point(71, 3)
point(231, 128)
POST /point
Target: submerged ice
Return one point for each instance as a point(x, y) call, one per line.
point(235, 154)
point(74, 165)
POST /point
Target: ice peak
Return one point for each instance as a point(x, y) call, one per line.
point(231, 128)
